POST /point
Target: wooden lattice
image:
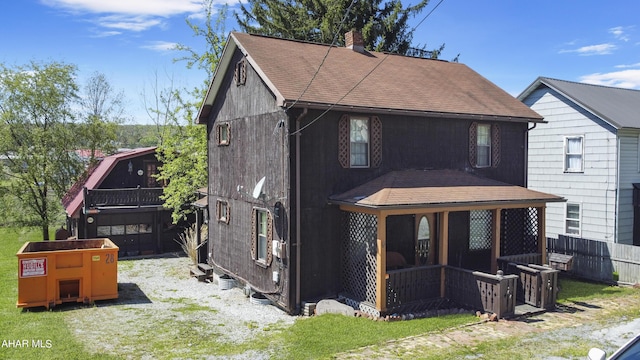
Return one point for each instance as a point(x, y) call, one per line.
point(359, 256)
point(343, 141)
point(519, 231)
point(480, 230)
point(495, 145)
point(473, 145)
point(376, 142)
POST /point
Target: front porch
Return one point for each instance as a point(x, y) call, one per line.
point(413, 247)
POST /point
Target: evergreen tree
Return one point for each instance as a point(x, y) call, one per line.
point(383, 24)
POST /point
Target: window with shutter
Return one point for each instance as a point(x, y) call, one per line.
point(359, 141)
point(262, 236)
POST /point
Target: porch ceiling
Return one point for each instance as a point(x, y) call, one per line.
point(438, 188)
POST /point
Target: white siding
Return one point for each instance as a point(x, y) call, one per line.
point(595, 188)
point(629, 174)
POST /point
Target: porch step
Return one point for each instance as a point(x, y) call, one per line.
point(204, 272)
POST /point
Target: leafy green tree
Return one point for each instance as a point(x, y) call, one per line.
point(36, 142)
point(183, 144)
point(102, 111)
point(383, 24)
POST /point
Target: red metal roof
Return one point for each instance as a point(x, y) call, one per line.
point(94, 176)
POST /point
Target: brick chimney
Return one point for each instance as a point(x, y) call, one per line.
point(353, 40)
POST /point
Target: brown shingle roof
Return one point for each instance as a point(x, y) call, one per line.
point(371, 80)
point(432, 188)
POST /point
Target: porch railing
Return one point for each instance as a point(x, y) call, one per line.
point(538, 285)
point(412, 284)
point(491, 293)
point(123, 197)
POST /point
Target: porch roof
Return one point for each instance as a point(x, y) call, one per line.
point(438, 188)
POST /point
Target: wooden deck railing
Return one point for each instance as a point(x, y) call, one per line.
point(478, 290)
point(123, 197)
point(412, 284)
point(538, 285)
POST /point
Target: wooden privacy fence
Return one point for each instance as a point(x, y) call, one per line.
point(599, 260)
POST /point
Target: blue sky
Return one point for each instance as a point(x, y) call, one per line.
point(510, 42)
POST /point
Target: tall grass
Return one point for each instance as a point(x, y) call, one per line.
point(189, 241)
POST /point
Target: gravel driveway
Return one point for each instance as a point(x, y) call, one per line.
point(163, 312)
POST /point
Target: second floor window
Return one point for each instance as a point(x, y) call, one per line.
point(222, 133)
point(359, 142)
point(483, 143)
point(573, 150)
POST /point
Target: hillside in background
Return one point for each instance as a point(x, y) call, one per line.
point(135, 136)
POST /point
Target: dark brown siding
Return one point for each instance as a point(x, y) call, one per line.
point(258, 147)
point(408, 143)
point(120, 177)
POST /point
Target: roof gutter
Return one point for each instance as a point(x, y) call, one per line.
point(420, 113)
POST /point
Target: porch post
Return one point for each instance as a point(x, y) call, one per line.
point(443, 235)
point(495, 241)
point(542, 233)
point(381, 264)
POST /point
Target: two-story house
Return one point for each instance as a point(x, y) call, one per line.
point(374, 177)
point(589, 153)
point(119, 198)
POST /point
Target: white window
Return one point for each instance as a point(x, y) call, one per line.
point(573, 153)
point(261, 235)
point(572, 219)
point(479, 229)
point(359, 140)
point(483, 146)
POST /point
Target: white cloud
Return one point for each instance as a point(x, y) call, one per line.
point(626, 66)
point(131, 23)
point(129, 7)
point(103, 34)
point(629, 79)
point(161, 46)
point(599, 49)
point(132, 15)
point(620, 32)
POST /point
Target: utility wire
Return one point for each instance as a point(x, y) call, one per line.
point(361, 80)
point(335, 38)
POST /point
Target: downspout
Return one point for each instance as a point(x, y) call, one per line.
point(526, 155)
point(298, 240)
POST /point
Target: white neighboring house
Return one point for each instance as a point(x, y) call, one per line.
point(587, 152)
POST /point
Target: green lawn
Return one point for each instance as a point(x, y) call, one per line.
point(309, 338)
point(29, 334)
